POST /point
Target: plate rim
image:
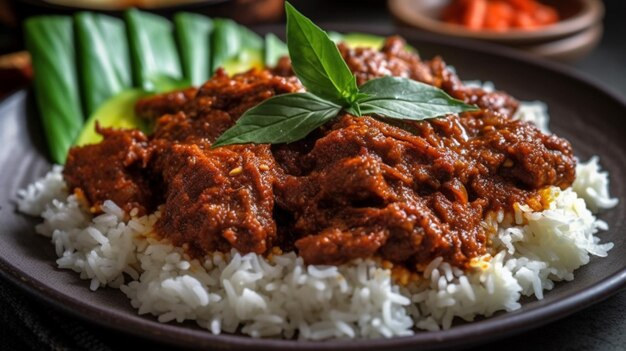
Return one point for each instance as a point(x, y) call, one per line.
point(464, 335)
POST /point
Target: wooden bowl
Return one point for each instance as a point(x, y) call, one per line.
point(576, 16)
point(569, 48)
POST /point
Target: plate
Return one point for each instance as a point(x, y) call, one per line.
point(583, 112)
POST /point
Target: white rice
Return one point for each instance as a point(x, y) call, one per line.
point(592, 185)
point(535, 112)
point(280, 296)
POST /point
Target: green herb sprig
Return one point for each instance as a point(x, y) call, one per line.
point(331, 87)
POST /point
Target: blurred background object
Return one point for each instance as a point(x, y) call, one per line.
point(7, 17)
point(8, 25)
point(564, 30)
point(586, 36)
point(500, 15)
point(120, 4)
point(15, 71)
point(244, 11)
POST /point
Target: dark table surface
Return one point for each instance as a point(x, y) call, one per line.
point(28, 324)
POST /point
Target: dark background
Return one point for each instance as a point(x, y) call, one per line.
point(27, 324)
point(607, 63)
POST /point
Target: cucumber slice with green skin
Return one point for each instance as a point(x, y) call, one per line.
point(362, 40)
point(50, 41)
point(249, 39)
point(103, 58)
point(274, 50)
point(117, 112)
point(335, 36)
point(193, 32)
point(235, 48)
point(358, 40)
point(154, 54)
point(245, 60)
point(225, 42)
point(250, 54)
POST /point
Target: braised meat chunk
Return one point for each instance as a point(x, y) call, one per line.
point(233, 95)
point(368, 187)
point(393, 59)
point(220, 198)
point(357, 187)
point(112, 170)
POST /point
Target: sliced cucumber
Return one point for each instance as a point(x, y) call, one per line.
point(50, 41)
point(274, 50)
point(153, 49)
point(362, 40)
point(193, 32)
point(225, 42)
point(354, 40)
point(235, 48)
point(117, 112)
point(103, 58)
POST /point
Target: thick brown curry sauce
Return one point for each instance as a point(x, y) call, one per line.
point(357, 187)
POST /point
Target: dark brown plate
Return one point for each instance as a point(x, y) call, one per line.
point(590, 117)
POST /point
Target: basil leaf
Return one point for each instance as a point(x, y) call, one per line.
point(103, 58)
point(280, 119)
point(404, 98)
point(274, 50)
point(50, 41)
point(193, 32)
point(116, 112)
point(153, 48)
point(316, 60)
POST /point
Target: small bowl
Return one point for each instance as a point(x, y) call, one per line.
point(576, 16)
point(570, 48)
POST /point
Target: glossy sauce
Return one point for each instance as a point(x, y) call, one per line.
point(357, 187)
